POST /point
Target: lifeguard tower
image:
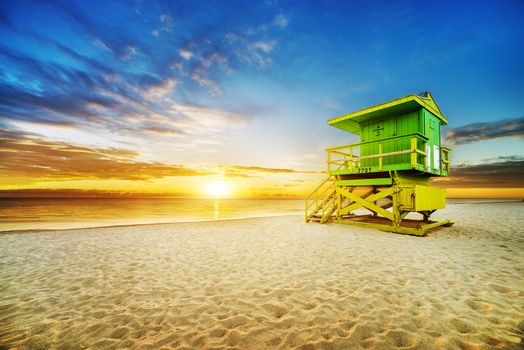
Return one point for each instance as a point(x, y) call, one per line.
point(388, 173)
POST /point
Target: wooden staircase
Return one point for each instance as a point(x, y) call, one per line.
point(321, 204)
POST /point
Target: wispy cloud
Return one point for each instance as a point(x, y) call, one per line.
point(164, 131)
point(330, 103)
point(257, 171)
point(199, 75)
point(486, 131)
point(281, 21)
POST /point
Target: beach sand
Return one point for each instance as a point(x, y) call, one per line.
point(268, 283)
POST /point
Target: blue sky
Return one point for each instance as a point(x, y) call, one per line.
point(207, 83)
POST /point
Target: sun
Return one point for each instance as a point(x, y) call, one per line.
point(218, 189)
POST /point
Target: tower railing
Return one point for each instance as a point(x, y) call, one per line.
point(352, 159)
point(444, 164)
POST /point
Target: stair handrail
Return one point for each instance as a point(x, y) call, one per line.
point(317, 194)
point(329, 178)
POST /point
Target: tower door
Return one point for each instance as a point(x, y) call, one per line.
point(375, 132)
point(432, 132)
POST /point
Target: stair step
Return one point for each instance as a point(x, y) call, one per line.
point(327, 205)
point(314, 220)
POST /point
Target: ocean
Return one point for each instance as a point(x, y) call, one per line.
point(63, 213)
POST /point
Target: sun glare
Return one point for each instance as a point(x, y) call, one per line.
point(218, 189)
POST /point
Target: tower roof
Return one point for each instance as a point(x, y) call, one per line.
point(351, 122)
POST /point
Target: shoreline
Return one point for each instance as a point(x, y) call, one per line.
point(189, 221)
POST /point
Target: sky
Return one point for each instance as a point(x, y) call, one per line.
point(164, 98)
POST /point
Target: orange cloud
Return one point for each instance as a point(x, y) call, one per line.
point(26, 155)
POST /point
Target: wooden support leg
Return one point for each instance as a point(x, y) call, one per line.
point(374, 191)
point(426, 214)
point(366, 202)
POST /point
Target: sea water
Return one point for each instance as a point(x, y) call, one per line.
point(62, 213)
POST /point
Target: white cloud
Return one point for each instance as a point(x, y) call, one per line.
point(185, 54)
point(266, 46)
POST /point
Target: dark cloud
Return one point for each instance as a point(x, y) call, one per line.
point(486, 131)
point(502, 172)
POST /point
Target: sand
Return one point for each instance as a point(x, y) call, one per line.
point(268, 283)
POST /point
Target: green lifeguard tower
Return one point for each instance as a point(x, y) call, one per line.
point(388, 173)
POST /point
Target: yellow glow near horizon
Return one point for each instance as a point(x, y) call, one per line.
point(218, 189)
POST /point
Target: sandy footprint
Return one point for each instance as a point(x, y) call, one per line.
point(401, 339)
point(235, 321)
point(478, 305)
point(500, 289)
point(462, 326)
point(309, 306)
point(276, 310)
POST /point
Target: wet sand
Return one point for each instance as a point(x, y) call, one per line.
point(268, 283)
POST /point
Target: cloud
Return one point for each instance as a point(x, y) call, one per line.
point(76, 193)
point(185, 54)
point(501, 172)
point(25, 155)
point(281, 21)
point(486, 131)
point(157, 92)
point(249, 50)
point(257, 171)
point(28, 155)
point(164, 131)
point(198, 118)
point(167, 23)
point(266, 46)
point(200, 76)
point(100, 43)
point(330, 103)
